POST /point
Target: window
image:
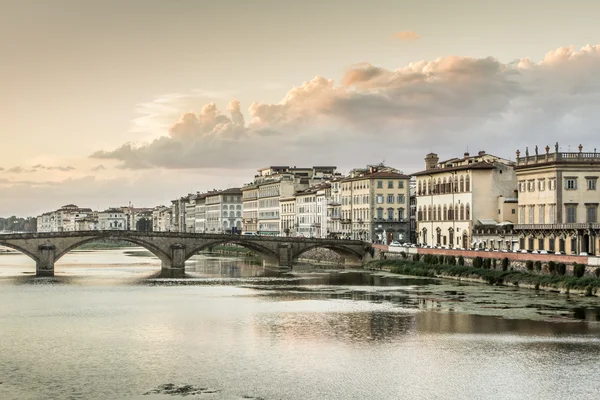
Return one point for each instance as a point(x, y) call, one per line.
point(401, 199)
point(401, 213)
point(521, 186)
point(379, 199)
point(541, 185)
point(552, 184)
point(390, 214)
point(379, 184)
point(468, 212)
point(540, 244)
point(551, 213)
point(513, 211)
point(591, 184)
point(571, 213)
point(531, 214)
point(468, 184)
point(390, 199)
point(390, 184)
point(592, 213)
point(380, 213)
point(541, 210)
point(462, 184)
point(531, 185)
point(571, 183)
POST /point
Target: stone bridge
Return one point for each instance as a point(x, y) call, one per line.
point(174, 248)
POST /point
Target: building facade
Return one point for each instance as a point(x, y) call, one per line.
point(223, 211)
point(112, 219)
point(161, 219)
point(558, 201)
point(375, 205)
point(455, 195)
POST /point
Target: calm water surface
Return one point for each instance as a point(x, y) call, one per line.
point(104, 328)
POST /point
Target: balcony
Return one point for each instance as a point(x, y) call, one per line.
point(569, 157)
point(525, 227)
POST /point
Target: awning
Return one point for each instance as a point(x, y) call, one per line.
point(487, 222)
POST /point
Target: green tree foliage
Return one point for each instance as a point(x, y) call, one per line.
point(18, 224)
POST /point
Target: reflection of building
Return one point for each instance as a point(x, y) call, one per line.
point(375, 204)
point(558, 201)
point(456, 194)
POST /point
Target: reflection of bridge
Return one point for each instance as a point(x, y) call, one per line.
point(174, 248)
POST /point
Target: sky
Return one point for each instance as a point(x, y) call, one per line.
point(105, 103)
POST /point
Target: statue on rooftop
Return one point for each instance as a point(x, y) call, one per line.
point(556, 147)
point(526, 151)
point(536, 150)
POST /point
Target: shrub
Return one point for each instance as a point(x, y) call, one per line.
point(436, 259)
point(403, 254)
point(505, 263)
point(477, 262)
point(461, 261)
point(416, 257)
point(538, 266)
point(578, 270)
point(588, 290)
point(487, 263)
point(552, 267)
point(529, 265)
point(451, 260)
point(561, 268)
point(494, 263)
point(597, 272)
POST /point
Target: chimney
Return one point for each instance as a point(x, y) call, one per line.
point(466, 154)
point(431, 161)
point(481, 153)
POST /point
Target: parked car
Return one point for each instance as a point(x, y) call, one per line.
point(395, 243)
point(249, 234)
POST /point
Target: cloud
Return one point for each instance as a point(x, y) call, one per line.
point(99, 167)
point(406, 36)
point(38, 167)
point(373, 113)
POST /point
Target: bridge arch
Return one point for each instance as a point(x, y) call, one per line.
point(264, 252)
point(339, 249)
point(156, 251)
point(20, 249)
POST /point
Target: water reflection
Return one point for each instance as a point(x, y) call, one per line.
point(241, 330)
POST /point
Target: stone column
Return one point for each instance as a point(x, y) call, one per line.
point(177, 267)
point(45, 263)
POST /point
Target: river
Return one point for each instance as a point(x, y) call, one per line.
point(105, 328)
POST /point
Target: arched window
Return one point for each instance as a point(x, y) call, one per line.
point(439, 209)
point(444, 186)
point(419, 190)
point(455, 215)
point(437, 187)
point(468, 213)
point(455, 188)
point(462, 183)
point(468, 184)
point(429, 214)
point(434, 214)
point(445, 215)
point(420, 214)
point(462, 211)
point(429, 187)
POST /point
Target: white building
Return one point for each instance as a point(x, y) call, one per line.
point(112, 219)
point(65, 219)
point(161, 219)
point(224, 211)
point(455, 195)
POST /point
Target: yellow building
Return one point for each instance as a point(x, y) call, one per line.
point(455, 195)
point(558, 200)
point(375, 205)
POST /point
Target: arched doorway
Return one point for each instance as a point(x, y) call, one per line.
point(585, 243)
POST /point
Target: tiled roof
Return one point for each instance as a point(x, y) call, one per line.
point(378, 175)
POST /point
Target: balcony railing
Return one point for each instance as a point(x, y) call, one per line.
point(556, 226)
point(555, 157)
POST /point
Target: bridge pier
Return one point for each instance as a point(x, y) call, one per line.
point(176, 267)
point(286, 257)
point(44, 265)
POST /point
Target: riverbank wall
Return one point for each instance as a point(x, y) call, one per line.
point(516, 261)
